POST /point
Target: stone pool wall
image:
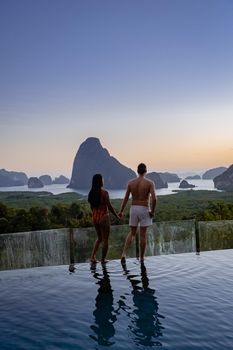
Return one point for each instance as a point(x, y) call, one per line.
point(69, 246)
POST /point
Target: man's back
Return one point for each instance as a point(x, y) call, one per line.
point(141, 188)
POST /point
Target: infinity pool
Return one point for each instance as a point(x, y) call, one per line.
point(181, 302)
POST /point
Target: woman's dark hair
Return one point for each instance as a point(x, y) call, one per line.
point(94, 196)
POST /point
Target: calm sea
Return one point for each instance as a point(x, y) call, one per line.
point(57, 189)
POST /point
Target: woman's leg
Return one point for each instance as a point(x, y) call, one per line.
point(105, 230)
point(97, 243)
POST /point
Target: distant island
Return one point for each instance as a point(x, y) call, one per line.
point(34, 182)
point(158, 181)
point(225, 180)
point(92, 158)
point(212, 173)
point(15, 178)
point(12, 178)
point(46, 180)
point(193, 177)
point(185, 184)
point(169, 177)
point(60, 180)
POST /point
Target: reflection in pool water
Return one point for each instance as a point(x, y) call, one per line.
point(145, 324)
point(104, 313)
point(175, 302)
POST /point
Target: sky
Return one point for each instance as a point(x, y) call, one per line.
point(152, 79)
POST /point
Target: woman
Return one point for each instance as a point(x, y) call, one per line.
point(100, 206)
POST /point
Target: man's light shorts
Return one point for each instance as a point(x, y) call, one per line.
point(139, 215)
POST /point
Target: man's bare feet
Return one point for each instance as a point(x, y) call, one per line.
point(72, 268)
point(104, 261)
point(123, 260)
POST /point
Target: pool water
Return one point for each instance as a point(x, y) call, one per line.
point(181, 302)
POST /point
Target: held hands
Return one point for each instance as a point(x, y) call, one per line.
point(117, 215)
point(120, 215)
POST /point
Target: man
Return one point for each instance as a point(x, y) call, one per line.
point(141, 211)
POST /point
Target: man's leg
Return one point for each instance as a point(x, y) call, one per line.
point(128, 241)
point(142, 242)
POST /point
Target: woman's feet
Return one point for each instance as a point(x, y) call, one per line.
point(93, 259)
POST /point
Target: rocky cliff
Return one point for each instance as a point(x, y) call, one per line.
point(169, 177)
point(212, 173)
point(193, 177)
point(34, 182)
point(8, 182)
point(91, 159)
point(225, 180)
point(61, 180)
point(159, 183)
point(46, 179)
point(186, 184)
point(12, 178)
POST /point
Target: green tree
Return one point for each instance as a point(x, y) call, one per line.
point(3, 210)
point(217, 211)
point(39, 219)
point(20, 222)
point(75, 211)
point(3, 225)
point(59, 215)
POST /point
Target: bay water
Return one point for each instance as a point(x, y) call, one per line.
point(58, 189)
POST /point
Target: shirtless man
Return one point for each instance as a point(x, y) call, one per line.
point(141, 211)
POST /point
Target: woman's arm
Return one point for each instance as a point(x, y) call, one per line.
point(109, 205)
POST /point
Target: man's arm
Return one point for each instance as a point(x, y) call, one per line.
point(153, 199)
point(125, 200)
